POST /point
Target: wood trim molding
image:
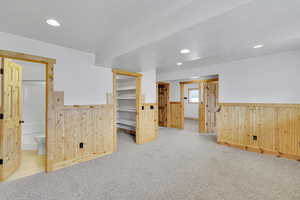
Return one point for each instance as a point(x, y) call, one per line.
point(191, 118)
point(122, 72)
point(261, 150)
point(175, 102)
point(162, 83)
point(26, 57)
point(199, 81)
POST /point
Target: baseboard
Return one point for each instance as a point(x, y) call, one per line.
point(261, 150)
point(191, 118)
point(71, 162)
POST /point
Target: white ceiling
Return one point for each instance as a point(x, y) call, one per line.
point(139, 34)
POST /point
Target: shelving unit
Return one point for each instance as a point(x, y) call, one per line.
point(126, 102)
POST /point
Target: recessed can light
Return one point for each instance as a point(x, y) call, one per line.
point(185, 51)
point(179, 63)
point(258, 46)
point(53, 22)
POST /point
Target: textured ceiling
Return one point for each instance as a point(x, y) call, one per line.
point(138, 35)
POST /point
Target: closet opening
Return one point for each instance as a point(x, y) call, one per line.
point(127, 100)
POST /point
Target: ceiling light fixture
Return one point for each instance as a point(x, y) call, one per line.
point(258, 46)
point(53, 22)
point(179, 63)
point(185, 51)
point(194, 77)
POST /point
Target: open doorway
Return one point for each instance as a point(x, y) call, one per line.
point(11, 116)
point(192, 94)
point(199, 99)
point(23, 85)
point(127, 101)
point(163, 93)
point(189, 104)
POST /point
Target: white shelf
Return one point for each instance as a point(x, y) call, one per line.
point(127, 109)
point(126, 122)
point(128, 98)
point(126, 127)
point(126, 88)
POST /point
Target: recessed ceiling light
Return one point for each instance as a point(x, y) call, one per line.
point(53, 22)
point(179, 63)
point(185, 51)
point(194, 77)
point(258, 46)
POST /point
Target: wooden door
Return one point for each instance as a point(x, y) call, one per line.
point(163, 101)
point(10, 129)
point(211, 106)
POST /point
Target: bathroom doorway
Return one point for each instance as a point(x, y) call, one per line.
point(25, 89)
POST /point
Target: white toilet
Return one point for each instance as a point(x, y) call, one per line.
point(40, 140)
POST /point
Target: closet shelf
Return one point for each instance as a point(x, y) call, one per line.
point(128, 97)
point(126, 127)
point(126, 122)
point(126, 88)
point(127, 109)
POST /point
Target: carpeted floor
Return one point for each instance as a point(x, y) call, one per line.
point(181, 164)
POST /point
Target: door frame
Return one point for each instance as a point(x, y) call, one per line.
point(168, 101)
point(138, 134)
point(202, 128)
point(49, 96)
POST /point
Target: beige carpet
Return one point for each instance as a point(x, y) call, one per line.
point(181, 164)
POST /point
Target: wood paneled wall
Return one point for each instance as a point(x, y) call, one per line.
point(148, 120)
point(265, 128)
point(175, 115)
point(80, 133)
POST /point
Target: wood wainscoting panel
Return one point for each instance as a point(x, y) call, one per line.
point(148, 122)
point(264, 128)
point(175, 114)
point(81, 133)
point(289, 130)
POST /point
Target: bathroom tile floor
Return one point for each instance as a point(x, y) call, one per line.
point(31, 163)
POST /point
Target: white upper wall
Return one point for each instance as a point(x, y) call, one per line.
point(267, 79)
point(149, 86)
point(83, 83)
point(75, 73)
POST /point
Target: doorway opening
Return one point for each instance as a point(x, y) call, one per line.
point(199, 100)
point(189, 104)
point(192, 94)
point(24, 86)
point(163, 93)
point(11, 115)
point(127, 101)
